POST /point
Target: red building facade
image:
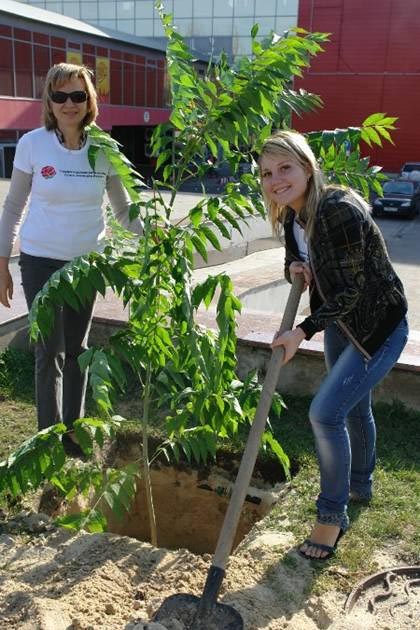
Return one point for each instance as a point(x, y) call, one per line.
point(371, 64)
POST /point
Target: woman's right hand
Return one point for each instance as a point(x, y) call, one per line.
point(6, 284)
point(297, 267)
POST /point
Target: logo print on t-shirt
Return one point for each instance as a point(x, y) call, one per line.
point(48, 172)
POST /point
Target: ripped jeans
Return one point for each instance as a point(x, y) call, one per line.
point(343, 423)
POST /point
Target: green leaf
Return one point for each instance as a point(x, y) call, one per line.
point(254, 30)
point(211, 236)
point(196, 215)
point(198, 244)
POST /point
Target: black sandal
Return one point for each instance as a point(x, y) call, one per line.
point(330, 550)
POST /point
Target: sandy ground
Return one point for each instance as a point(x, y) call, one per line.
point(57, 581)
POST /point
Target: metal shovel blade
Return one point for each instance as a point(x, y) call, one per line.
point(184, 608)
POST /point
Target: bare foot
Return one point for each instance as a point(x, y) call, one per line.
point(321, 535)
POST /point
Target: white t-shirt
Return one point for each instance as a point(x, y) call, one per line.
point(301, 241)
point(65, 218)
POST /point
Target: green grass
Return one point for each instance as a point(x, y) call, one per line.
point(390, 522)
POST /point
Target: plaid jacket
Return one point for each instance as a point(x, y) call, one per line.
point(354, 283)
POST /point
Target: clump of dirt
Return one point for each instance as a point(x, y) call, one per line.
point(59, 581)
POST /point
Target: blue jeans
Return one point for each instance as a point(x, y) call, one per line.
point(343, 423)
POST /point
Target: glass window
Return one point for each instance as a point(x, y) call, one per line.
point(202, 9)
point(144, 28)
point(267, 7)
point(202, 27)
point(244, 7)
point(89, 11)
point(144, 9)
point(140, 73)
point(158, 29)
point(222, 7)
point(6, 67)
point(23, 68)
point(41, 67)
point(201, 44)
point(184, 26)
point(116, 82)
point(107, 10)
point(125, 10)
point(222, 43)
point(72, 10)
point(284, 23)
point(151, 86)
point(242, 26)
point(108, 24)
point(287, 7)
point(222, 26)
point(241, 46)
point(266, 25)
point(183, 8)
point(126, 26)
point(57, 7)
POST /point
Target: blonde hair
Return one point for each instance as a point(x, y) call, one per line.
point(294, 145)
point(59, 74)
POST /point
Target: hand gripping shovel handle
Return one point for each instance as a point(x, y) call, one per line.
point(230, 523)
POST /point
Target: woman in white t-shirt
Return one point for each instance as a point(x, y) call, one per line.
point(64, 220)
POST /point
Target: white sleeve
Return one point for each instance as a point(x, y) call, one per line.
point(23, 155)
point(20, 187)
point(120, 202)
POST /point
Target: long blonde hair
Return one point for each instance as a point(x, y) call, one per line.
point(294, 145)
point(59, 74)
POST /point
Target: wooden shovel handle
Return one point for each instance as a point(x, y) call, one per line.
point(230, 523)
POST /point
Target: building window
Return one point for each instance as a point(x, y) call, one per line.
point(202, 9)
point(57, 7)
point(287, 7)
point(268, 7)
point(222, 8)
point(242, 26)
point(266, 25)
point(6, 68)
point(222, 26)
point(183, 9)
point(144, 28)
point(125, 10)
point(23, 69)
point(107, 10)
point(185, 26)
point(126, 26)
point(42, 64)
point(202, 27)
point(145, 10)
point(241, 46)
point(89, 11)
point(244, 7)
point(116, 82)
point(284, 23)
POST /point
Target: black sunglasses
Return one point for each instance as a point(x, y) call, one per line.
point(79, 96)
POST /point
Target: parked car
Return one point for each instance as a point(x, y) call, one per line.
point(411, 170)
point(400, 196)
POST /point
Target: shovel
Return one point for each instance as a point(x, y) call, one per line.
point(205, 613)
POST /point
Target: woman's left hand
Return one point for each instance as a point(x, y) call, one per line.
point(290, 340)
